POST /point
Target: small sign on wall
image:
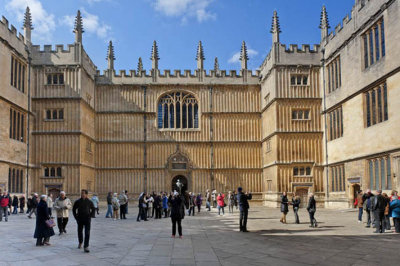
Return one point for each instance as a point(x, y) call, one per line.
point(178, 166)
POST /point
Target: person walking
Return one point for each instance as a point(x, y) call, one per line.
point(192, 203)
point(4, 200)
point(29, 205)
point(62, 205)
point(199, 201)
point(312, 208)
point(43, 231)
point(395, 210)
point(115, 206)
point(208, 200)
point(221, 203)
point(142, 215)
point(50, 204)
point(15, 204)
point(95, 201)
point(296, 205)
point(109, 213)
point(378, 207)
point(157, 205)
point(83, 211)
point(22, 204)
point(367, 205)
point(284, 207)
point(123, 199)
point(360, 205)
point(176, 214)
point(34, 204)
point(231, 201)
point(244, 207)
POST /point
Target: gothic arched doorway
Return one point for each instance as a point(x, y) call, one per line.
point(183, 180)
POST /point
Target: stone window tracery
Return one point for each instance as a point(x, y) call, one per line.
point(178, 110)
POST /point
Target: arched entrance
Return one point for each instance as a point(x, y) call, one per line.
point(303, 194)
point(183, 180)
point(356, 189)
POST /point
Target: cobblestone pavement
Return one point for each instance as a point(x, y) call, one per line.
point(208, 240)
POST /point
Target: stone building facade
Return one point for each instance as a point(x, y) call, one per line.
point(318, 119)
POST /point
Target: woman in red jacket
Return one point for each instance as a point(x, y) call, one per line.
point(221, 203)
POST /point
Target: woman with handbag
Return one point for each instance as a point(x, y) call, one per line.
point(44, 224)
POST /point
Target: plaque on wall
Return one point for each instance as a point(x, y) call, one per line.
point(179, 166)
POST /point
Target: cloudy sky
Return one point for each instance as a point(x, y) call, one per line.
point(177, 26)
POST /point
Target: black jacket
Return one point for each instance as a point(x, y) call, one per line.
point(379, 203)
point(284, 204)
point(109, 200)
point(22, 202)
point(243, 201)
point(15, 201)
point(296, 202)
point(176, 207)
point(83, 209)
point(34, 202)
point(312, 206)
point(41, 229)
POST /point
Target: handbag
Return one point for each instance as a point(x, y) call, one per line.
point(50, 223)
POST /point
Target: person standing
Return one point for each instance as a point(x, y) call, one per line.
point(122, 203)
point(367, 206)
point(42, 231)
point(150, 201)
point(312, 208)
point(50, 204)
point(284, 207)
point(231, 201)
point(191, 204)
point(244, 207)
point(199, 201)
point(127, 201)
point(221, 203)
point(115, 206)
point(386, 218)
point(95, 201)
point(360, 205)
point(208, 200)
point(176, 214)
point(378, 207)
point(4, 200)
point(29, 205)
point(395, 209)
point(165, 204)
point(83, 211)
point(62, 205)
point(34, 204)
point(109, 213)
point(214, 198)
point(157, 206)
point(296, 205)
point(22, 204)
point(15, 204)
point(142, 208)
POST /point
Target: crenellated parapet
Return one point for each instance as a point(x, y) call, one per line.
point(178, 77)
point(10, 35)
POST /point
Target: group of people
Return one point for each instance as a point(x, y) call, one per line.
point(379, 208)
point(9, 205)
point(311, 208)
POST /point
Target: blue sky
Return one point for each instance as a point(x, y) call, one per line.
point(177, 26)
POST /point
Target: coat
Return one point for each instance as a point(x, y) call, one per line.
point(62, 207)
point(22, 202)
point(379, 203)
point(312, 206)
point(95, 201)
point(50, 202)
point(15, 202)
point(395, 208)
point(4, 200)
point(220, 200)
point(115, 203)
point(243, 201)
point(42, 215)
point(284, 204)
point(176, 208)
point(296, 202)
point(165, 202)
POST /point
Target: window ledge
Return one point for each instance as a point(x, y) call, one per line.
point(379, 123)
point(51, 177)
point(53, 120)
point(179, 130)
point(301, 120)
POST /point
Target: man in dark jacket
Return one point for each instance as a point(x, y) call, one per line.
point(34, 204)
point(296, 205)
point(312, 208)
point(378, 207)
point(22, 204)
point(244, 208)
point(367, 198)
point(83, 211)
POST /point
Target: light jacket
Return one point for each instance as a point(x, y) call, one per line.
point(95, 201)
point(115, 203)
point(62, 207)
point(220, 200)
point(395, 208)
point(50, 202)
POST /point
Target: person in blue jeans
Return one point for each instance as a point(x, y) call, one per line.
point(109, 213)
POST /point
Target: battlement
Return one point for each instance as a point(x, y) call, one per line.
point(48, 48)
point(11, 35)
point(177, 76)
point(304, 48)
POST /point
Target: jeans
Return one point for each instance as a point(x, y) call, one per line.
point(360, 213)
point(33, 211)
point(386, 222)
point(15, 211)
point(230, 208)
point(109, 211)
point(296, 215)
point(191, 210)
point(62, 223)
point(208, 206)
point(81, 225)
point(219, 210)
point(368, 211)
point(379, 221)
point(5, 211)
point(312, 219)
point(243, 219)
point(174, 222)
point(396, 222)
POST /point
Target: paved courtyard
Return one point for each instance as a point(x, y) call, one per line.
point(208, 240)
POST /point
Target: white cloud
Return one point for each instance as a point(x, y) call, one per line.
point(43, 22)
point(235, 58)
point(185, 9)
point(91, 24)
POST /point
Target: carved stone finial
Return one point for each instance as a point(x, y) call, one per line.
point(243, 55)
point(110, 56)
point(78, 29)
point(140, 66)
point(216, 64)
point(154, 55)
point(200, 56)
point(275, 28)
point(27, 25)
point(324, 24)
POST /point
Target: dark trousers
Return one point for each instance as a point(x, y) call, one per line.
point(198, 208)
point(312, 219)
point(21, 210)
point(360, 213)
point(165, 213)
point(122, 211)
point(50, 212)
point(191, 210)
point(243, 220)
point(81, 225)
point(15, 210)
point(158, 213)
point(174, 222)
point(296, 215)
point(386, 222)
point(397, 224)
point(379, 221)
point(368, 211)
point(142, 214)
point(62, 223)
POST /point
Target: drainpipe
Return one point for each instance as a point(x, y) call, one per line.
point(28, 126)
point(325, 124)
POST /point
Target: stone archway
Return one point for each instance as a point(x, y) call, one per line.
point(178, 166)
point(183, 180)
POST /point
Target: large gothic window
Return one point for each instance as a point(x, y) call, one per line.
point(178, 110)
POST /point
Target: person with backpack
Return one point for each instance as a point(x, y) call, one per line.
point(115, 206)
point(367, 197)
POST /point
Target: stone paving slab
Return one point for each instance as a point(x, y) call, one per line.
point(209, 240)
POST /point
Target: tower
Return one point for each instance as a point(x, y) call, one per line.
point(154, 56)
point(78, 29)
point(275, 28)
point(200, 56)
point(110, 56)
point(324, 25)
point(27, 26)
point(243, 56)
